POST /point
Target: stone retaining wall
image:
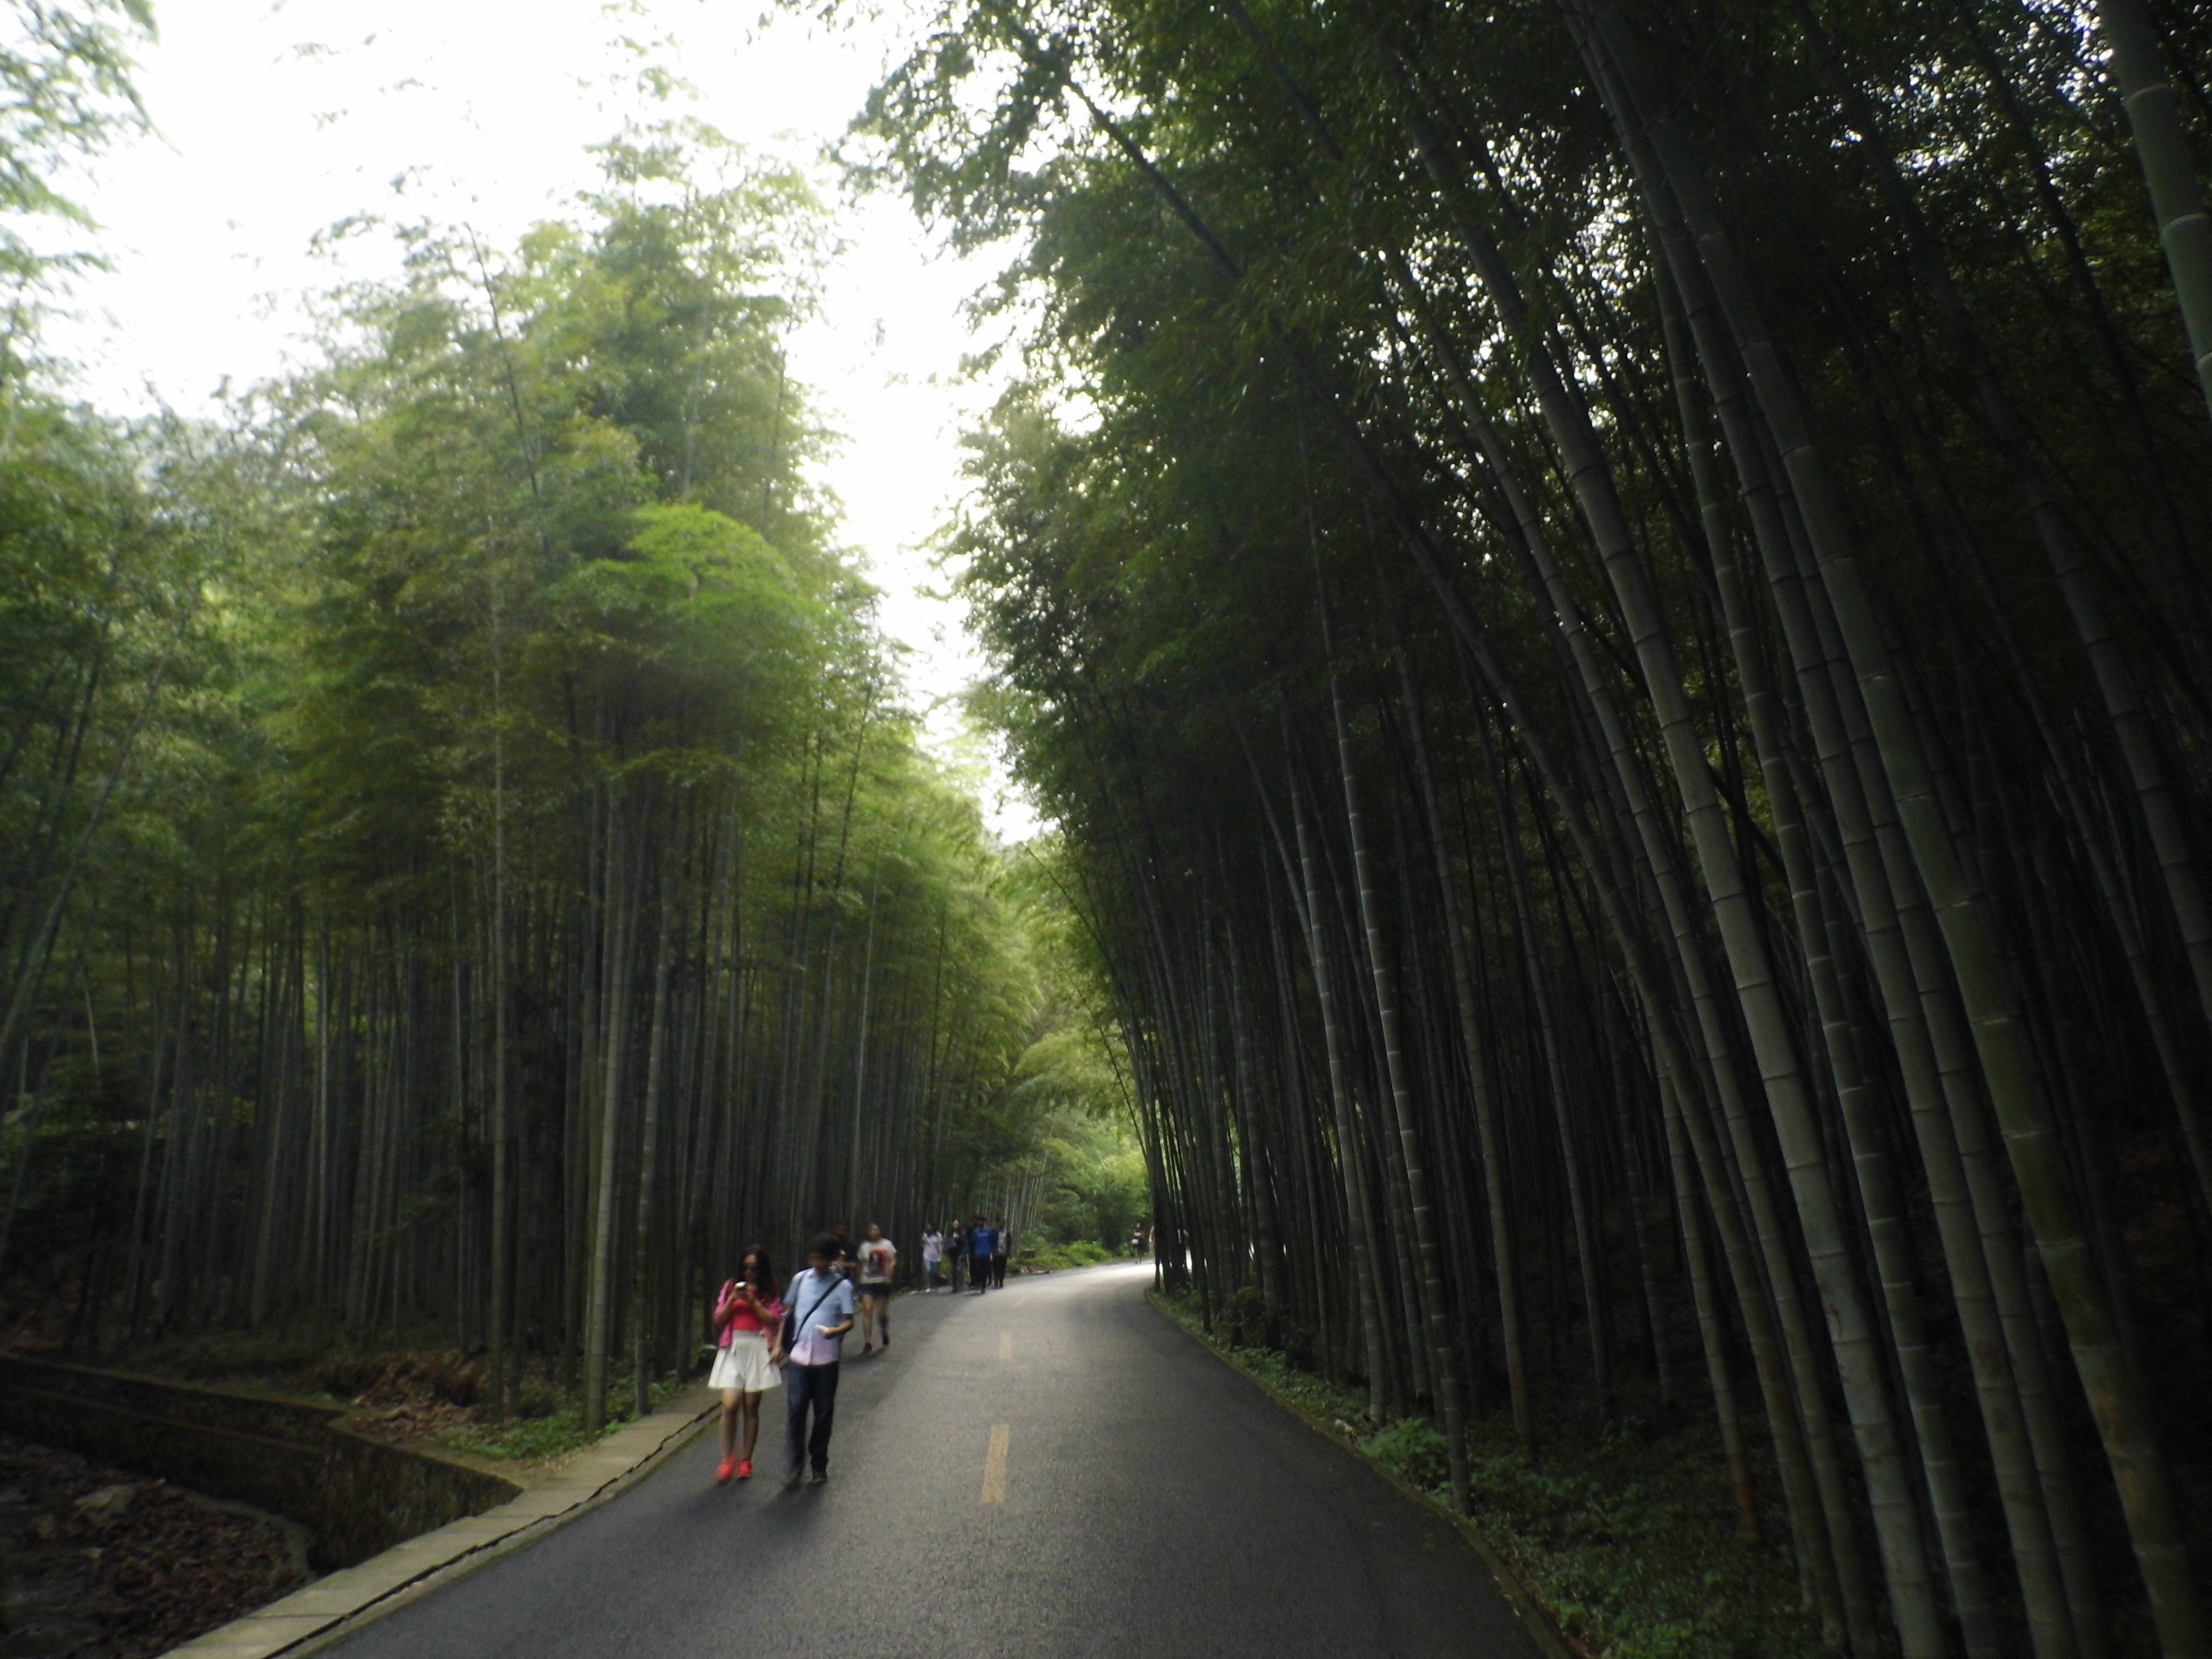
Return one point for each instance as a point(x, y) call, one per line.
point(354, 1496)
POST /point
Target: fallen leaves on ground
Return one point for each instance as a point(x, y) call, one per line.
point(107, 1565)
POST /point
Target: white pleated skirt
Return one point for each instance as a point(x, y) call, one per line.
point(743, 1365)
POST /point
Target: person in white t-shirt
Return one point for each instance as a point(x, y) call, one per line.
point(878, 1259)
point(932, 1253)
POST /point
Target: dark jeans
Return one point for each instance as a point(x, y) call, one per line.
point(815, 1386)
point(997, 1273)
point(979, 1271)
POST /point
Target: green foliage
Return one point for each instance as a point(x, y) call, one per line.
point(1303, 1387)
point(324, 1366)
point(1058, 1258)
point(1094, 1188)
point(1060, 1133)
point(1413, 1451)
point(552, 1424)
point(1460, 445)
point(1626, 1544)
point(65, 94)
point(505, 649)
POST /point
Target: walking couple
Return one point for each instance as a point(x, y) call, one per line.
point(803, 1331)
point(988, 1249)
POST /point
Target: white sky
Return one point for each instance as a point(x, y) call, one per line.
point(276, 117)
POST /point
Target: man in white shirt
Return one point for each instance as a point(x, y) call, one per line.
point(820, 1305)
point(932, 1252)
point(878, 1261)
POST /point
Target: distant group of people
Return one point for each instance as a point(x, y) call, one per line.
point(793, 1337)
point(976, 1251)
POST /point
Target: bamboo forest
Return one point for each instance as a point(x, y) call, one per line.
point(469, 861)
point(1607, 605)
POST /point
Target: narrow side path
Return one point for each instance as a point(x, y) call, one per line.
point(1049, 1472)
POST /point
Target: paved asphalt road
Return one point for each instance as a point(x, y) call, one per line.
point(1144, 1500)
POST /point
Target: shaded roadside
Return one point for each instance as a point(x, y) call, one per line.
point(1622, 1541)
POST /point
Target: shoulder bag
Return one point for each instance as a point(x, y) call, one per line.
point(794, 1320)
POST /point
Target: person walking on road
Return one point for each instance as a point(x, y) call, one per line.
point(979, 1255)
point(745, 1313)
point(955, 1247)
point(932, 1252)
point(1002, 1246)
point(878, 1259)
point(818, 1312)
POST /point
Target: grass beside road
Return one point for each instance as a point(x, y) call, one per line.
point(1055, 1258)
point(556, 1430)
point(1623, 1533)
point(419, 1395)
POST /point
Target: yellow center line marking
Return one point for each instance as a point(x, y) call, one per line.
point(1005, 1344)
point(994, 1465)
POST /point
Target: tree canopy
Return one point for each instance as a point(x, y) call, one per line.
point(1612, 600)
point(471, 868)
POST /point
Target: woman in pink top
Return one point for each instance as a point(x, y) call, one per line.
point(746, 1314)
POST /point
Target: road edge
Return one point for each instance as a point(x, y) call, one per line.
point(408, 1572)
point(1526, 1609)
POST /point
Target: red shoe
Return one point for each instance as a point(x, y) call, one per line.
point(745, 1470)
point(724, 1473)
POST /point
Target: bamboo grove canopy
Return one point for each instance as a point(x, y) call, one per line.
point(1613, 599)
point(469, 869)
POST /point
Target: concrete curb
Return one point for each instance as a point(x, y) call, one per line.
point(1525, 1606)
point(336, 1606)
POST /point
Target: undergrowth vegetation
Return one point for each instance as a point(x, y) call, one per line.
point(1054, 1258)
point(551, 1425)
point(1623, 1533)
point(423, 1394)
